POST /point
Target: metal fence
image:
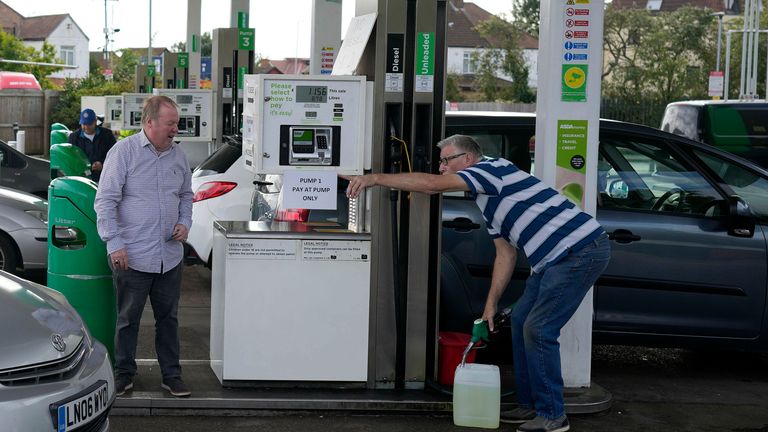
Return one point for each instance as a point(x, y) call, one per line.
point(647, 112)
point(30, 111)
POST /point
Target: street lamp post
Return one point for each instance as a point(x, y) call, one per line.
point(719, 16)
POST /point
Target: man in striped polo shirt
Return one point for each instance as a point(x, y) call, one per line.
point(566, 248)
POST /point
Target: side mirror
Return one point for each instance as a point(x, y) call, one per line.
point(741, 222)
point(618, 189)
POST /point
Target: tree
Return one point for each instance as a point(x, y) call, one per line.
point(452, 91)
point(525, 14)
point(12, 48)
point(666, 56)
point(505, 56)
point(206, 45)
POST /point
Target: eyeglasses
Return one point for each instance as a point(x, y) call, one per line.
point(445, 160)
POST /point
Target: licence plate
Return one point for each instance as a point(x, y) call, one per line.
point(81, 409)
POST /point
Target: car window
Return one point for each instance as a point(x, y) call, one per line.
point(682, 120)
point(514, 145)
point(10, 158)
point(219, 161)
point(748, 185)
point(641, 175)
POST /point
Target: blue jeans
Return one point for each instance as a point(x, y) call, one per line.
point(132, 289)
point(548, 302)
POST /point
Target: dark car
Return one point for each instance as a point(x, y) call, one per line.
point(687, 227)
point(738, 127)
point(24, 173)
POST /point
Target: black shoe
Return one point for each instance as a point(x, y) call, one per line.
point(123, 383)
point(517, 415)
point(176, 387)
point(541, 424)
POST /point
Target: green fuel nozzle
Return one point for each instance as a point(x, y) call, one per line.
point(481, 331)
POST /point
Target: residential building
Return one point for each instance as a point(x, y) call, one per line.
point(288, 66)
point(61, 31)
point(463, 41)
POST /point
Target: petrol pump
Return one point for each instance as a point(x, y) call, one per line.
point(133, 104)
point(175, 70)
point(144, 78)
point(404, 54)
point(233, 58)
point(195, 121)
point(110, 107)
point(309, 129)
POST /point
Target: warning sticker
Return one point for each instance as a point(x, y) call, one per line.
point(335, 250)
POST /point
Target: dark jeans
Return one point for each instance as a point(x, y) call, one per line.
point(132, 289)
point(548, 302)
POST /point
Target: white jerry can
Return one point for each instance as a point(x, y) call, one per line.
point(476, 395)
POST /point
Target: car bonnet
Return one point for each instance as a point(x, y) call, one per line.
point(37, 328)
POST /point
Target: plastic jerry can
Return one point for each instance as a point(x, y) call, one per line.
point(476, 396)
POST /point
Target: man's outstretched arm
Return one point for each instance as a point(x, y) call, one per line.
point(410, 182)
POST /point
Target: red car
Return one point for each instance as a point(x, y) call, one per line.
point(18, 80)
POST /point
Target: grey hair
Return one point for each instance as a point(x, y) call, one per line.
point(463, 143)
point(152, 105)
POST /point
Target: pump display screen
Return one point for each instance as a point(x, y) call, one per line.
point(184, 99)
point(317, 94)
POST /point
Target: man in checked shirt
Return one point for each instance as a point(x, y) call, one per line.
point(144, 211)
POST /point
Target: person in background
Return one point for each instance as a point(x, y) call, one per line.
point(143, 213)
point(94, 140)
point(566, 248)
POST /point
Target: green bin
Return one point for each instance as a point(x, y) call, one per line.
point(78, 266)
point(69, 160)
point(59, 133)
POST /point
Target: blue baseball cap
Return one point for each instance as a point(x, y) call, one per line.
point(87, 116)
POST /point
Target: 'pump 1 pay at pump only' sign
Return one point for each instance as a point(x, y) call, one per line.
point(310, 190)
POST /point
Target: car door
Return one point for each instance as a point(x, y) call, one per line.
point(11, 167)
point(675, 270)
point(467, 250)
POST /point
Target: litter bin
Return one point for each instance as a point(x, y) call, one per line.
point(450, 347)
point(69, 160)
point(78, 266)
point(59, 133)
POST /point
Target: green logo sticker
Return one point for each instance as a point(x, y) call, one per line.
point(242, 20)
point(571, 159)
point(574, 84)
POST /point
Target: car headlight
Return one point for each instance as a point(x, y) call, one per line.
point(40, 215)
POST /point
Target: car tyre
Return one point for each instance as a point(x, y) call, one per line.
point(9, 258)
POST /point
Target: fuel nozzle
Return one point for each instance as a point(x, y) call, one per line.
point(481, 331)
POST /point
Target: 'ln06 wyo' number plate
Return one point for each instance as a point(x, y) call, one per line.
point(82, 408)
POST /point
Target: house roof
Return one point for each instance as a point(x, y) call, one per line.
point(288, 66)
point(36, 28)
point(10, 20)
point(463, 17)
point(734, 6)
point(39, 27)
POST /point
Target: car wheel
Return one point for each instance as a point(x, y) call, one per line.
point(9, 258)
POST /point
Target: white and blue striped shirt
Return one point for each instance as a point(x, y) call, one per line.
point(141, 196)
point(527, 213)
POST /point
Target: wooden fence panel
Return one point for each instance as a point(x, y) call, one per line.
point(30, 110)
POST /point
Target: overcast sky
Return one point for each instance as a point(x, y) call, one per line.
point(282, 28)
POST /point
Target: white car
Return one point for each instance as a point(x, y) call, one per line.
point(53, 374)
point(223, 189)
